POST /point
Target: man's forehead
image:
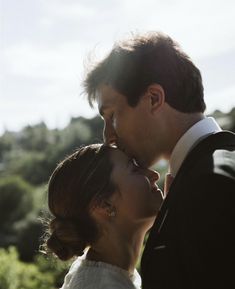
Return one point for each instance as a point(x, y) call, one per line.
point(106, 97)
point(106, 92)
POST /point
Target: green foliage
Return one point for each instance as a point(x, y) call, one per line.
point(9, 269)
point(32, 167)
point(34, 152)
point(96, 127)
point(35, 138)
point(7, 142)
point(15, 274)
point(44, 273)
point(225, 120)
point(27, 158)
point(40, 198)
point(54, 267)
point(28, 238)
point(16, 200)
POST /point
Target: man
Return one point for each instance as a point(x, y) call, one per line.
point(150, 95)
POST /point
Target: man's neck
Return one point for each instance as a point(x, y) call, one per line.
point(181, 124)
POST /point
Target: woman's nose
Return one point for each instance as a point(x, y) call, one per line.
point(109, 134)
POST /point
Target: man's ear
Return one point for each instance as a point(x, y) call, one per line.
point(156, 95)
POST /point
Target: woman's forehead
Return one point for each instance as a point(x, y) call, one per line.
point(117, 154)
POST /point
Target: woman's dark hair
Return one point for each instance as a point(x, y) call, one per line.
point(80, 178)
point(143, 60)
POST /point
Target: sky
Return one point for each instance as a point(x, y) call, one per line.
point(45, 46)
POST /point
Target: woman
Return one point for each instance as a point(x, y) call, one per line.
point(103, 202)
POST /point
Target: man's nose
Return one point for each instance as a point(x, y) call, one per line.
point(152, 175)
point(109, 134)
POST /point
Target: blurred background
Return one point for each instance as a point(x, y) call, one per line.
point(46, 47)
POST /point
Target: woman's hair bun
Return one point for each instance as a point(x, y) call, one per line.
point(64, 239)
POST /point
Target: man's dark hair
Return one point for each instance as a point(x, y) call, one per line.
point(134, 64)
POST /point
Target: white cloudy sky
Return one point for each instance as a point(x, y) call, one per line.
point(44, 44)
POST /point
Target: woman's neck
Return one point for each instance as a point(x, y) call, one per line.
point(118, 250)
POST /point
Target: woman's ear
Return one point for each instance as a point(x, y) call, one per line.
point(103, 209)
point(110, 209)
point(156, 95)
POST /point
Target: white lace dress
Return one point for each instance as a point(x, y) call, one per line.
point(85, 274)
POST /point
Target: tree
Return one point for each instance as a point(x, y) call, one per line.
point(7, 141)
point(28, 239)
point(35, 138)
point(31, 166)
point(15, 274)
point(16, 201)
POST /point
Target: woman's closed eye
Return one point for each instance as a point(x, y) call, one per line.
point(134, 166)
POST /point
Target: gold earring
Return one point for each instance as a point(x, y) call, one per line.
point(112, 214)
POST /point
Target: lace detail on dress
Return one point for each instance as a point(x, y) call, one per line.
point(86, 274)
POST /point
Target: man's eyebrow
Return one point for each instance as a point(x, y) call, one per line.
point(102, 108)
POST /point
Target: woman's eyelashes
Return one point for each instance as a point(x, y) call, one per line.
point(134, 166)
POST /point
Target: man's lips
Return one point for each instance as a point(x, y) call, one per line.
point(156, 190)
point(154, 186)
point(123, 149)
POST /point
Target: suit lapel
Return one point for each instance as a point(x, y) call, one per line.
point(219, 140)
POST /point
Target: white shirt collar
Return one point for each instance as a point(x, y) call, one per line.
point(195, 134)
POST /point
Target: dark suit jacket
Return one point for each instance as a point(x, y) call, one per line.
point(192, 243)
